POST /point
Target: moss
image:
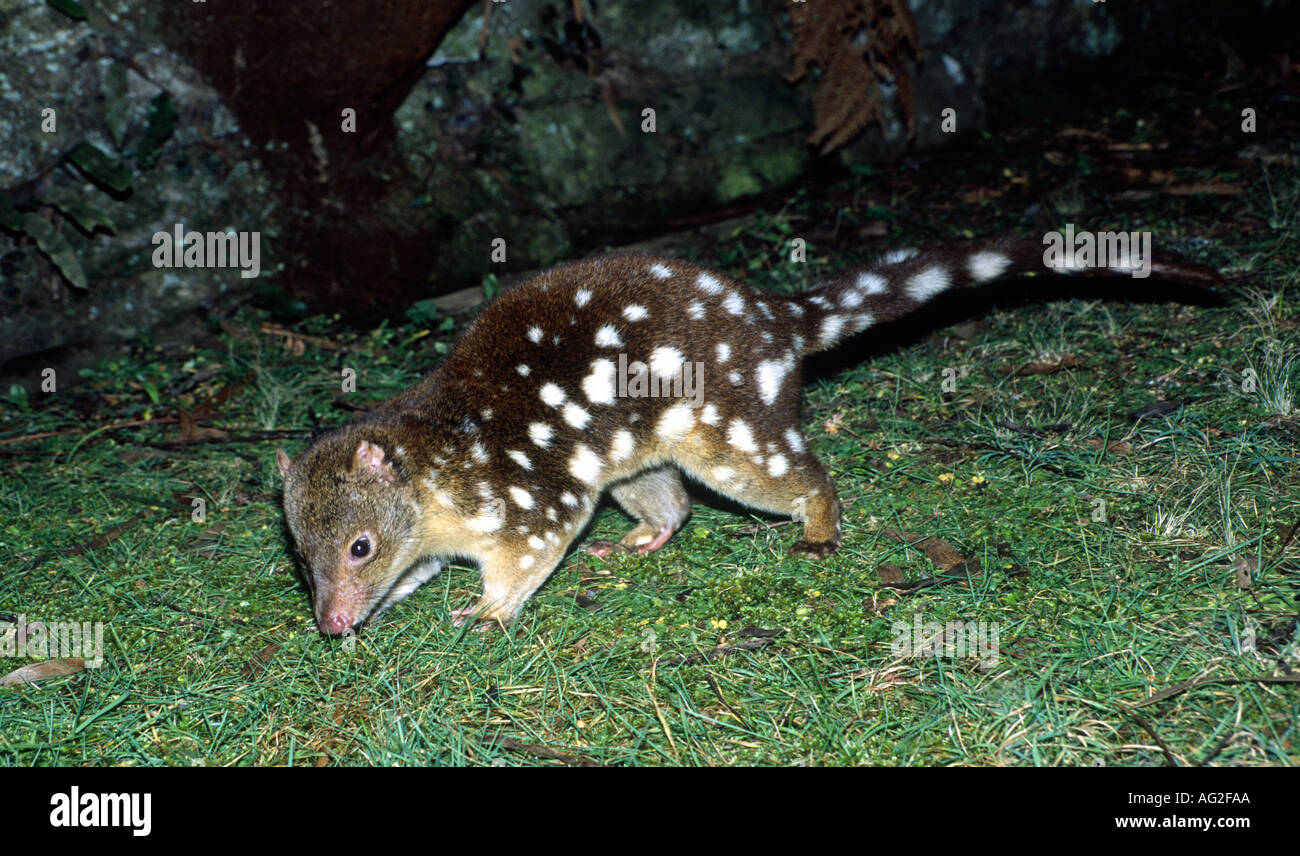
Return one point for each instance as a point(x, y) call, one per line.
point(752, 171)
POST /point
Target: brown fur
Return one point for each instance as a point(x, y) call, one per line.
point(458, 466)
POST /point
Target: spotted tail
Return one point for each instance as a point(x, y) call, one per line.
point(905, 279)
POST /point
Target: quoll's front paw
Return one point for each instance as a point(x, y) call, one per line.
point(460, 616)
point(485, 622)
point(813, 549)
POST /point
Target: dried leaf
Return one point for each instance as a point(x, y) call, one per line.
point(848, 96)
point(1118, 446)
point(944, 555)
point(1044, 368)
point(256, 666)
point(1245, 567)
point(890, 573)
point(42, 670)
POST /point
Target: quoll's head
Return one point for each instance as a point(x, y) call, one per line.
point(354, 516)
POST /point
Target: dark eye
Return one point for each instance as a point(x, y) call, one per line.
point(361, 547)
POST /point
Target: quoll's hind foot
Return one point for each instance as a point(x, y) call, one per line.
point(642, 539)
point(657, 500)
point(602, 549)
point(814, 549)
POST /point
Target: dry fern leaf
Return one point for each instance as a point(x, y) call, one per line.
point(857, 44)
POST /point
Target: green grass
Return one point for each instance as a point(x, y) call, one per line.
point(212, 657)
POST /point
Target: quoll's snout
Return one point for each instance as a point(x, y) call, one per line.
point(335, 621)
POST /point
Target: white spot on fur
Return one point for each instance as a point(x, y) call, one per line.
point(851, 299)
point(576, 416)
point(893, 257)
point(695, 309)
point(709, 284)
point(569, 499)
point(665, 362)
point(536, 543)
point(675, 422)
point(551, 515)
point(522, 498)
point(872, 283)
point(520, 458)
point(770, 374)
point(582, 297)
point(722, 475)
point(551, 536)
point(724, 352)
point(985, 266)
point(735, 378)
point(585, 465)
point(523, 369)
point(607, 337)
point(621, 448)
point(552, 395)
point(794, 441)
point(480, 454)
point(486, 413)
point(527, 562)
point(661, 270)
point(818, 300)
point(635, 312)
point(795, 309)
point(540, 433)
point(863, 321)
point(927, 284)
point(489, 520)
point(762, 307)
point(599, 385)
point(534, 334)
point(776, 466)
point(739, 435)
point(709, 416)
point(832, 327)
point(734, 304)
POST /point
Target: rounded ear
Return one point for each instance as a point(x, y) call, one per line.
point(285, 463)
point(370, 459)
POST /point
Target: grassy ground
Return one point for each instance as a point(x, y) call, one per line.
point(1115, 558)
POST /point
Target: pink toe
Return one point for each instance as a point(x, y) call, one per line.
point(660, 540)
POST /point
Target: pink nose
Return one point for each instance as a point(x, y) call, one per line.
point(336, 621)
